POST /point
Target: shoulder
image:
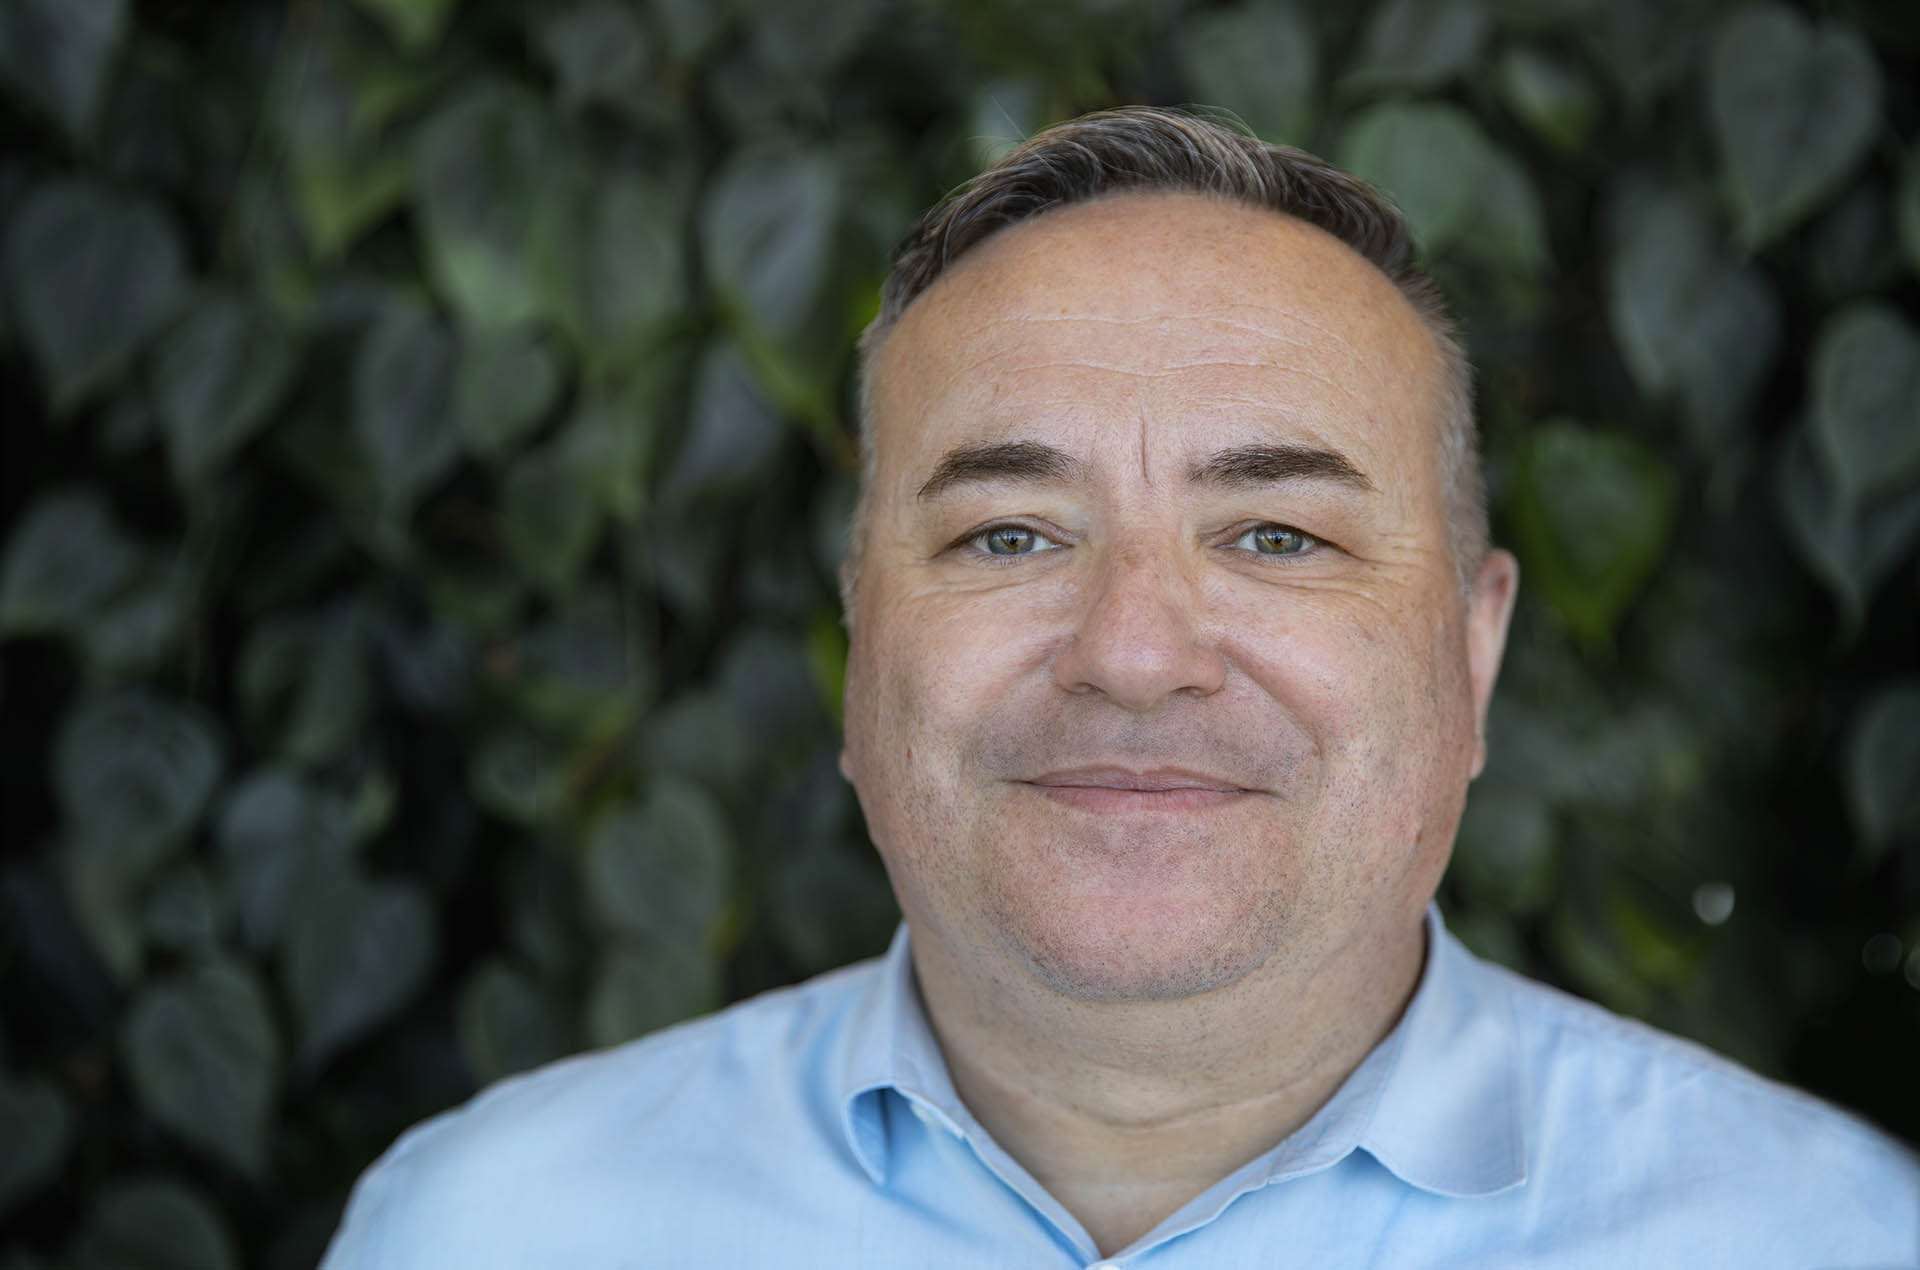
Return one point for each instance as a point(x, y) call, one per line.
point(682, 1109)
point(1615, 1107)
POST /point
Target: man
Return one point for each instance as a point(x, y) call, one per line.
point(1173, 631)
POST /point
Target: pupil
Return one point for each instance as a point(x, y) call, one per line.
point(1276, 541)
point(1010, 541)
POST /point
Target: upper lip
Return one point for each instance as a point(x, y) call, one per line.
point(1145, 780)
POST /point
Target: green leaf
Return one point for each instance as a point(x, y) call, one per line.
point(273, 833)
point(56, 54)
point(550, 528)
point(519, 777)
point(1907, 213)
point(1882, 764)
point(581, 669)
point(346, 173)
point(1550, 95)
point(630, 276)
point(355, 953)
point(1866, 401)
point(1592, 516)
point(152, 1224)
point(37, 1128)
point(1419, 44)
point(507, 1024)
point(304, 683)
point(767, 231)
point(1690, 321)
point(65, 558)
point(1793, 107)
point(1509, 229)
point(643, 986)
point(416, 25)
point(733, 431)
point(506, 381)
point(806, 43)
point(403, 413)
point(94, 273)
point(487, 191)
point(1257, 60)
point(205, 1061)
point(132, 772)
point(598, 50)
point(184, 911)
point(1505, 856)
point(1430, 158)
point(136, 631)
point(218, 374)
point(663, 870)
point(1850, 548)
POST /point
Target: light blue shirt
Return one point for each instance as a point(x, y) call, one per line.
point(1500, 1124)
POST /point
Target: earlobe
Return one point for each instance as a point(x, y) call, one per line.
point(1489, 612)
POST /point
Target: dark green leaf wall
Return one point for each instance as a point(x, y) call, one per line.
point(427, 455)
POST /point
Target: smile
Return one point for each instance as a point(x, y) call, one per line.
point(1120, 790)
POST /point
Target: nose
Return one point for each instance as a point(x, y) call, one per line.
point(1139, 639)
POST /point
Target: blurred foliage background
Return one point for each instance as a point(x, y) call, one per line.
point(427, 450)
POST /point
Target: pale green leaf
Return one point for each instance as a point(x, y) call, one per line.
point(1690, 321)
point(598, 51)
point(403, 410)
point(354, 952)
point(1592, 516)
point(1419, 44)
point(274, 831)
point(1883, 767)
point(1866, 401)
point(65, 558)
point(506, 380)
point(205, 1061)
point(484, 185)
point(550, 526)
point(645, 985)
point(1430, 158)
point(733, 431)
point(37, 1130)
point(1257, 60)
point(132, 772)
point(415, 25)
point(662, 870)
point(1550, 95)
point(218, 375)
point(767, 229)
point(152, 1224)
point(507, 1023)
point(1794, 108)
point(1851, 549)
point(56, 54)
point(94, 273)
point(346, 174)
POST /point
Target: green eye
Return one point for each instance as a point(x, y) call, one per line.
point(1274, 540)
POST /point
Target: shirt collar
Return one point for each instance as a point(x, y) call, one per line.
point(1436, 1102)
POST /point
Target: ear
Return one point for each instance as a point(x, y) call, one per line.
point(1489, 609)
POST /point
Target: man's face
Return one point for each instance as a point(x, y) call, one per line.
point(1159, 671)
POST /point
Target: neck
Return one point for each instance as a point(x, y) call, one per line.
point(1124, 1111)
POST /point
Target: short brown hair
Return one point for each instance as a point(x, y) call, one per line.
point(1142, 150)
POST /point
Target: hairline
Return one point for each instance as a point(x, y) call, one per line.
point(1458, 453)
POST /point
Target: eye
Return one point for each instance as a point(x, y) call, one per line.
point(1274, 540)
point(1011, 540)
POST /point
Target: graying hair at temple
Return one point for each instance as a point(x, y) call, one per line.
point(1151, 150)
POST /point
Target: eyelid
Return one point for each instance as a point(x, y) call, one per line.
point(974, 540)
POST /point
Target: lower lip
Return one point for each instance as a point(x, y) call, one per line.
point(1107, 800)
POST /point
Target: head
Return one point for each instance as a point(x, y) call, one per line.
point(1163, 673)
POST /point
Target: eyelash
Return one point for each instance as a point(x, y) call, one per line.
point(976, 541)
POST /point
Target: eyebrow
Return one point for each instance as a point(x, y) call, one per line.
point(1270, 464)
point(1005, 461)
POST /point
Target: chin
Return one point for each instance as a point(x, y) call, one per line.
point(1094, 953)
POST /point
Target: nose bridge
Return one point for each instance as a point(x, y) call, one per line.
point(1141, 632)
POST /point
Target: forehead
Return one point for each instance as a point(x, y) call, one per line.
point(1164, 304)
